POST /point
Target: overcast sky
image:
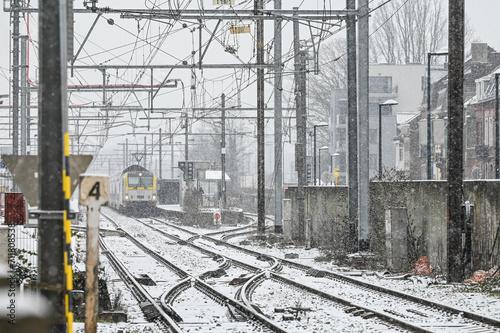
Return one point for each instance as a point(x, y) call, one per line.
point(483, 15)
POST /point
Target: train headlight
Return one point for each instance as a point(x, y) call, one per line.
point(154, 197)
point(126, 197)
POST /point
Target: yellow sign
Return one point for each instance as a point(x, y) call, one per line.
point(240, 30)
point(224, 2)
point(336, 174)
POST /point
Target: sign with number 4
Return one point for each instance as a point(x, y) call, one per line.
point(94, 189)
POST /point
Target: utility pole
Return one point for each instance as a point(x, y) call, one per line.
point(261, 170)
point(223, 155)
point(363, 125)
point(126, 154)
point(15, 77)
point(171, 149)
point(456, 37)
point(51, 159)
point(278, 145)
point(300, 146)
point(145, 154)
point(23, 40)
point(352, 125)
point(160, 157)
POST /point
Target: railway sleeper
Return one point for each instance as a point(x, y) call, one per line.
point(350, 309)
point(150, 312)
point(213, 274)
point(145, 280)
point(234, 315)
point(315, 273)
point(358, 313)
point(395, 313)
point(417, 312)
point(368, 315)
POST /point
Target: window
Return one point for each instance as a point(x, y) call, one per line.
point(380, 84)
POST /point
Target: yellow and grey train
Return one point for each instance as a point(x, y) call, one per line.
point(133, 191)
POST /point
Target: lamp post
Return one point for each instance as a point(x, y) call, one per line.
point(429, 130)
point(389, 102)
point(319, 164)
point(321, 124)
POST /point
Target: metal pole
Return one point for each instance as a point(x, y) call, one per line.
point(278, 145)
point(15, 77)
point(429, 130)
point(171, 149)
point(50, 162)
point(380, 141)
point(429, 120)
point(497, 155)
point(23, 42)
point(28, 121)
point(352, 124)
point(300, 148)
point(261, 171)
point(319, 167)
point(455, 137)
point(223, 155)
point(186, 138)
point(363, 123)
point(314, 154)
point(160, 156)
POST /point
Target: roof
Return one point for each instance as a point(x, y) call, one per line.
point(134, 167)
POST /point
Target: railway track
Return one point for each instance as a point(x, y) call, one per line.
point(229, 312)
point(394, 311)
point(413, 313)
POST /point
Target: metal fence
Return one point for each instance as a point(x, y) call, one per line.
point(27, 244)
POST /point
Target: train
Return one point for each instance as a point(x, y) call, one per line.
point(133, 191)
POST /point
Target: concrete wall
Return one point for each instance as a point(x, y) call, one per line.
point(426, 203)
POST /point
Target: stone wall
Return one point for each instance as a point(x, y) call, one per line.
point(426, 207)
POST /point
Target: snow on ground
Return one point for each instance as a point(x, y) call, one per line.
point(451, 294)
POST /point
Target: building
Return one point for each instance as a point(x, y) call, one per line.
point(402, 83)
point(478, 122)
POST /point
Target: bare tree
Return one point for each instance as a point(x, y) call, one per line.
point(404, 31)
point(332, 75)
point(238, 146)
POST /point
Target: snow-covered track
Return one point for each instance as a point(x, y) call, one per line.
point(188, 282)
point(152, 310)
point(464, 320)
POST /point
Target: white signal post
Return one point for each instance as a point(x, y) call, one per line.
point(94, 192)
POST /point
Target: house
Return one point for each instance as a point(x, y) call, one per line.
point(402, 83)
point(412, 134)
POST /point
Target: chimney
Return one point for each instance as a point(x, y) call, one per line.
point(479, 52)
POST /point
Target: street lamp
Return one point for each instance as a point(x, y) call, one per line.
point(321, 124)
point(319, 164)
point(429, 131)
point(389, 102)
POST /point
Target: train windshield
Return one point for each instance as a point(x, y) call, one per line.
point(140, 181)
